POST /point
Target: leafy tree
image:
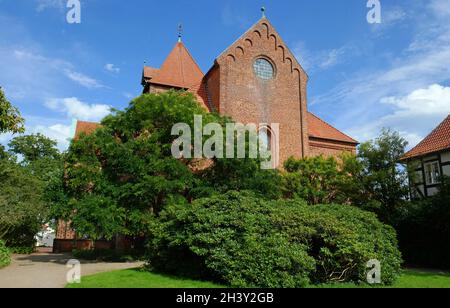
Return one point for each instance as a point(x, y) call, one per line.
point(313, 179)
point(385, 180)
point(10, 119)
point(34, 147)
point(323, 180)
point(22, 206)
point(40, 155)
point(22, 210)
point(121, 176)
point(3, 153)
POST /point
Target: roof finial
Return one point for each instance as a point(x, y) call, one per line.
point(263, 10)
point(180, 32)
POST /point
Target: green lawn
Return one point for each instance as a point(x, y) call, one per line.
point(144, 279)
point(137, 278)
point(409, 279)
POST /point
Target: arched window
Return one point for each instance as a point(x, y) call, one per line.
point(265, 139)
point(268, 146)
point(263, 69)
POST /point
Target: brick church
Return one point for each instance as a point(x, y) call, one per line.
point(255, 80)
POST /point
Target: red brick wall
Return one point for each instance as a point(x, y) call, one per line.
point(154, 88)
point(64, 231)
point(329, 148)
point(249, 99)
point(213, 84)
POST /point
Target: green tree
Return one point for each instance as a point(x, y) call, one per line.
point(22, 210)
point(34, 147)
point(384, 179)
point(3, 153)
point(10, 119)
point(121, 176)
point(40, 155)
point(315, 179)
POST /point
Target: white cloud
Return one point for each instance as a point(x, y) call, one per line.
point(26, 73)
point(398, 94)
point(389, 17)
point(323, 59)
point(333, 57)
point(75, 108)
point(83, 80)
point(414, 115)
point(432, 100)
point(49, 4)
point(112, 68)
point(58, 132)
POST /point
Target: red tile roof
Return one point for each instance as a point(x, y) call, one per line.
point(178, 70)
point(150, 72)
point(85, 128)
point(437, 141)
point(318, 128)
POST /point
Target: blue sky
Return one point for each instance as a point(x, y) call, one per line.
point(362, 76)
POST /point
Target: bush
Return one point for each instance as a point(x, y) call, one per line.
point(245, 241)
point(22, 250)
point(108, 255)
point(424, 230)
point(5, 257)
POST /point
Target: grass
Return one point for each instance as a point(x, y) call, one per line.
point(409, 279)
point(136, 278)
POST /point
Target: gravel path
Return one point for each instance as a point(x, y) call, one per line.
point(46, 270)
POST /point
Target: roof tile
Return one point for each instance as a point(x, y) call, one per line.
point(178, 70)
point(86, 128)
point(438, 140)
point(318, 128)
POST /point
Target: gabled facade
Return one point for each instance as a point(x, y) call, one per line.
point(429, 160)
point(256, 80)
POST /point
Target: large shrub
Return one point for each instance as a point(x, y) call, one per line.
point(244, 241)
point(5, 258)
point(424, 230)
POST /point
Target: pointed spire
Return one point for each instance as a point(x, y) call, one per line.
point(179, 69)
point(180, 32)
point(263, 11)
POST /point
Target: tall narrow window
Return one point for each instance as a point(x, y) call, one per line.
point(265, 139)
point(432, 173)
